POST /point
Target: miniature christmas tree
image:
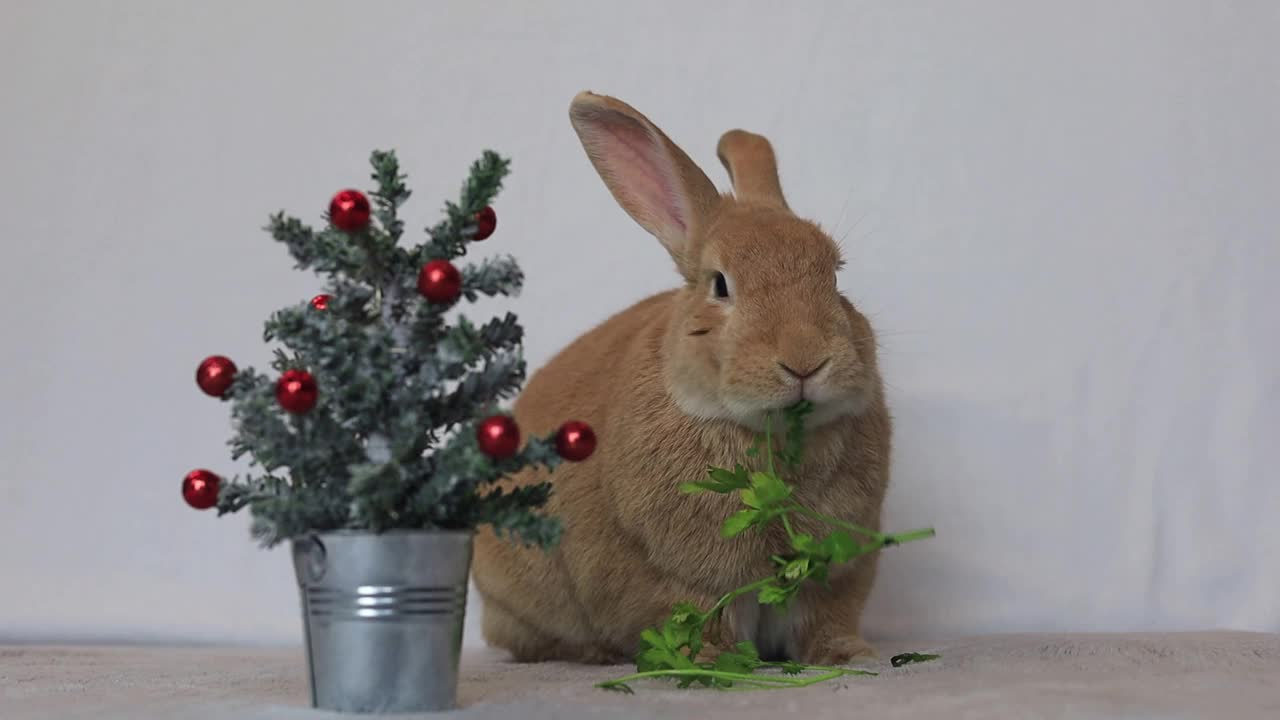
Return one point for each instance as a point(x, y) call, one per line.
point(372, 419)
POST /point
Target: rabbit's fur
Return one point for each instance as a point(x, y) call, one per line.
point(682, 381)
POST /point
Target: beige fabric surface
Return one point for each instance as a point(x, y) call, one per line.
point(1228, 675)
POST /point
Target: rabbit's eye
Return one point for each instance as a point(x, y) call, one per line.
point(722, 286)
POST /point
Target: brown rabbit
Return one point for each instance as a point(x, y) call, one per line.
point(684, 380)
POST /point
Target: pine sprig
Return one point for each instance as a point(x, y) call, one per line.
point(511, 515)
point(464, 344)
point(328, 252)
point(463, 467)
point(391, 193)
point(672, 649)
point(494, 276)
point(449, 238)
point(464, 474)
point(498, 379)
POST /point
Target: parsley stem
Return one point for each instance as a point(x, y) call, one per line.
point(882, 538)
point(799, 682)
point(820, 668)
point(762, 681)
point(898, 538)
point(786, 524)
point(768, 442)
point(699, 672)
point(734, 594)
point(838, 523)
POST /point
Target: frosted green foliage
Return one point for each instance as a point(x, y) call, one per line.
point(391, 442)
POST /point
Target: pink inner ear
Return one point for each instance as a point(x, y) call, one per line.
point(640, 169)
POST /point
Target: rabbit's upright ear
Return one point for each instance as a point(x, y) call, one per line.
point(652, 179)
point(752, 168)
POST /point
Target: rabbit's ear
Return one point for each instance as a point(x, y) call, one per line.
point(652, 179)
point(752, 168)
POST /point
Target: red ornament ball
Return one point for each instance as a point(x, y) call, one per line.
point(349, 210)
point(486, 221)
point(200, 489)
point(215, 375)
point(440, 282)
point(296, 391)
point(499, 436)
point(321, 302)
point(575, 441)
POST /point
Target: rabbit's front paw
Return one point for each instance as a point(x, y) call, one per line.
point(840, 650)
point(718, 638)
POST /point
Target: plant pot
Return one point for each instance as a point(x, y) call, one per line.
point(383, 616)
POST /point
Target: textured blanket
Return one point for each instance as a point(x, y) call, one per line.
point(1185, 675)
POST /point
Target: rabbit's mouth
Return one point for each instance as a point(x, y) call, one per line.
point(834, 396)
point(827, 408)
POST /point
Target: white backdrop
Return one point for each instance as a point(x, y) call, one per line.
point(1062, 217)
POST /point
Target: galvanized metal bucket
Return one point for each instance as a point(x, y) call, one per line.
point(383, 615)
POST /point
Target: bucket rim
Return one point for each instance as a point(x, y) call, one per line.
point(351, 532)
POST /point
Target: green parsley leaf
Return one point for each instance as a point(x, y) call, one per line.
point(796, 569)
point(773, 595)
point(719, 480)
point(805, 544)
point(685, 610)
point(840, 546)
point(738, 522)
point(767, 489)
point(744, 659)
point(654, 659)
point(653, 639)
point(793, 451)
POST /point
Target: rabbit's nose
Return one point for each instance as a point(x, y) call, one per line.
point(803, 375)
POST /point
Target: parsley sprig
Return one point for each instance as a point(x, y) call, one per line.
point(672, 649)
